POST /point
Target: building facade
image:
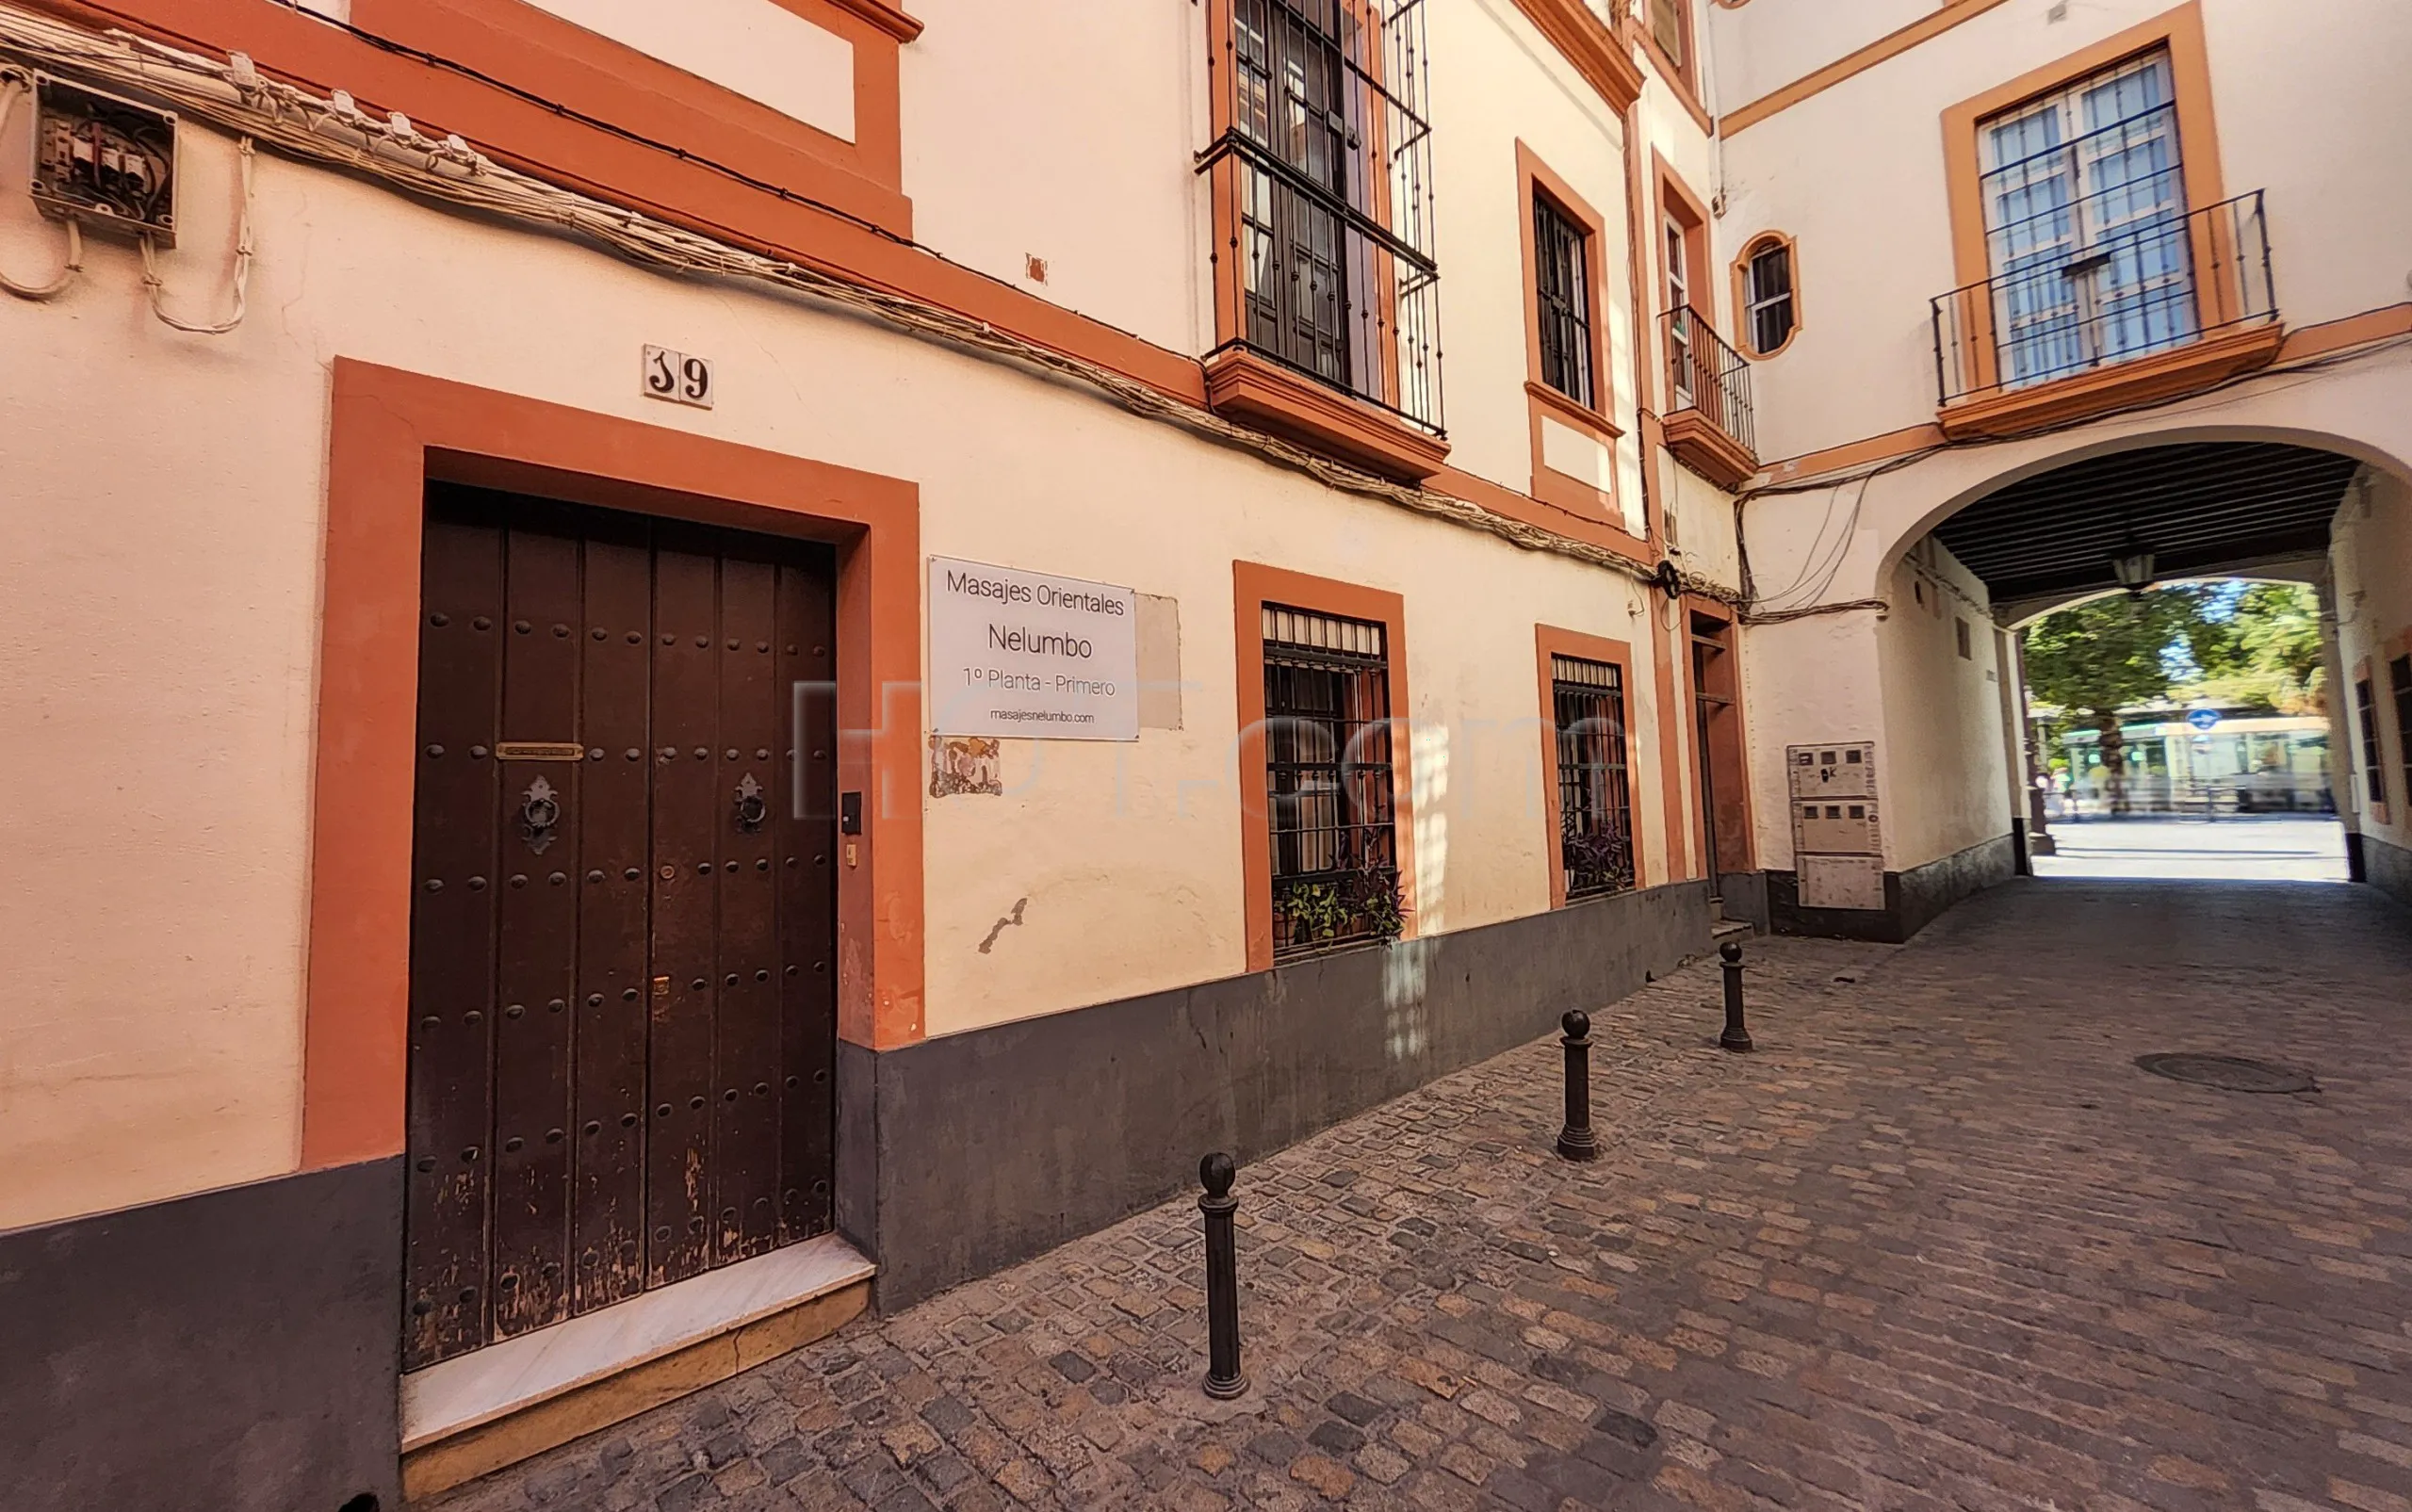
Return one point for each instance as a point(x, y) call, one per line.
point(668, 678)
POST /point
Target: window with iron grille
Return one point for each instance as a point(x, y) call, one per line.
point(1766, 296)
point(1594, 796)
point(1562, 288)
point(2399, 673)
point(1327, 780)
point(1325, 174)
point(2085, 223)
point(2373, 765)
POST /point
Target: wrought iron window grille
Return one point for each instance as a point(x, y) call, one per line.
point(1561, 291)
point(2157, 284)
point(1707, 375)
point(1323, 185)
point(1328, 747)
point(1594, 788)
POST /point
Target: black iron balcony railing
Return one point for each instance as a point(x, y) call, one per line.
point(2068, 302)
point(1322, 189)
point(1707, 375)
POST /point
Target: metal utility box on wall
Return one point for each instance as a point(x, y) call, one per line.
point(107, 163)
point(1837, 840)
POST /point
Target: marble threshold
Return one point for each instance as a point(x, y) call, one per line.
point(487, 1384)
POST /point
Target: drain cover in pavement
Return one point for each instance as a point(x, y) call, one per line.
point(2230, 1073)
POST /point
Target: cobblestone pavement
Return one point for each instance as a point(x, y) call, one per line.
point(1939, 1244)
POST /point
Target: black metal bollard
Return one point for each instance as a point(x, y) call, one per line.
point(1223, 1378)
point(1575, 1141)
point(1737, 1033)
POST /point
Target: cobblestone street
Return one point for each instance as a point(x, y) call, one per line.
point(1939, 1244)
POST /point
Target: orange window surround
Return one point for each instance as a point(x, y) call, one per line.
point(1253, 586)
point(2179, 32)
point(1548, 642)
point(1745, 333)
point(1579, 495)
point(392, 431)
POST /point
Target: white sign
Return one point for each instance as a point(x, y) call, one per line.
point(1025, 655)
point(678, 377)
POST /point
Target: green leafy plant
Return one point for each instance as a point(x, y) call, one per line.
point(1315, 911)
point(1380, 901)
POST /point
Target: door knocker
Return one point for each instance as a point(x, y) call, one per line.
point(538, 814)
point(752, 807)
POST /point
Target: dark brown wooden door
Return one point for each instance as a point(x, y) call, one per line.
point(623, 939)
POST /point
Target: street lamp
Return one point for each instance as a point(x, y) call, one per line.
point(2133, 567)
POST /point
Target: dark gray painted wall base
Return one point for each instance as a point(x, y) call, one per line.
point(1913, 899)
point(2389, 867)
point(2357, 866)
point(1746, 898)
point(1001, 1144)
point(233, 1351)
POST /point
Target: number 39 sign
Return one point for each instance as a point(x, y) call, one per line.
point(677, 378)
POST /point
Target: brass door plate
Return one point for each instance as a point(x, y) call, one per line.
point(539, 751)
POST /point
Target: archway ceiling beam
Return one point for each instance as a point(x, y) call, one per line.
point(2201, 508)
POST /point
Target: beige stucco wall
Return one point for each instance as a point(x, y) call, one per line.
point(2308, 100)
point(1067, 131)
point(1942, 755)
point(1486, 52)
point(1756, 49)
point(159, 608)
point(2370, 558)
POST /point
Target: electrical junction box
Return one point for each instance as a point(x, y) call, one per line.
point(1836, 827)
point(1846, 768)
point(107, 163)
point(1841, 881)
point(1837, 841)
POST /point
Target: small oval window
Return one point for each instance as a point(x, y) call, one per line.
point(1771, 306)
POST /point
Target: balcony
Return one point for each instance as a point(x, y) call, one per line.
point(1326, 292)
point(1707, 424)
point(2164, 306)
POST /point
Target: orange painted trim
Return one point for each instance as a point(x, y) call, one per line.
point(2140, 380)
point(2353, 330)
point(1253, 586)
point(307, 51)
point(1745, 836)
point(391, 433)
point(1548, 641)
point(1669, 773)
point(1536, 181)
point(1750, 248)
point(1576, 525)
point(1678, 202)
point(1893, 44)
point(1240, 382)
point(2178, 30)
point(1702, 445)
point(1867, 449)
point(886, 18)
point(1679, 76)
point(1673, 779)
point(1586, 41)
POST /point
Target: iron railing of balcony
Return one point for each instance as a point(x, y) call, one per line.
point(2156, 283)
point(1705, 374)
point(1322, 186)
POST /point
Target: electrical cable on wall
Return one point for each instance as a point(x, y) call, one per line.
point(159, 287)
point(334, 131)
point(12, 85)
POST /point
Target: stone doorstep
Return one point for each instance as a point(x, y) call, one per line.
point(508, 1402)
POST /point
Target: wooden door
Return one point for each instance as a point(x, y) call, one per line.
point(623, 939)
